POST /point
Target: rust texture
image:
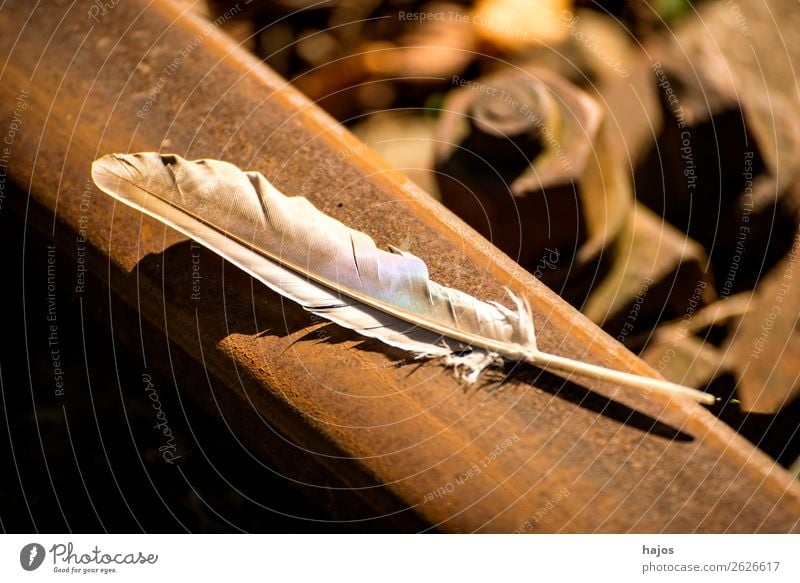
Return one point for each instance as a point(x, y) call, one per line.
point(484, 458)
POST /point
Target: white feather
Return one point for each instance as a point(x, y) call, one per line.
point(333, 271)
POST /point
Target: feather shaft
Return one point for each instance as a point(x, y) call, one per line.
point(565, 366)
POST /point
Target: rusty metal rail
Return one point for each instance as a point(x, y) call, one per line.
point(144, 76)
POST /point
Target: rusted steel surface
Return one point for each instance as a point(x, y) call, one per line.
point(483, 458)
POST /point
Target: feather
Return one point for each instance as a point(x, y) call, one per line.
point(336, 272)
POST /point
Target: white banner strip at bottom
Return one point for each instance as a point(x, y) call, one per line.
point(390, 558)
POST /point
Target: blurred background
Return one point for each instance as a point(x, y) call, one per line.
point(640, 158)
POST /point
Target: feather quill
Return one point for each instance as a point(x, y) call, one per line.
point(336, 272)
